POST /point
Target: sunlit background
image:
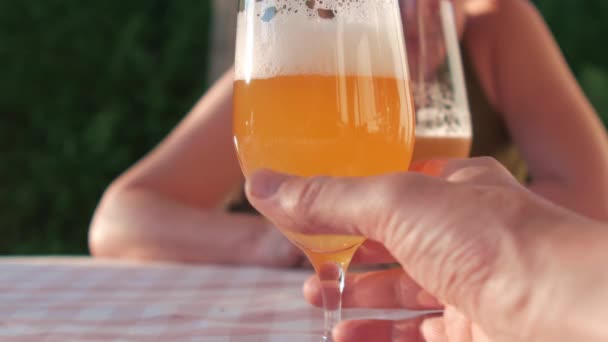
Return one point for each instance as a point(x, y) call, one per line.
point(88, 87)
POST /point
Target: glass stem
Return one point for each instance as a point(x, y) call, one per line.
point(331, 277)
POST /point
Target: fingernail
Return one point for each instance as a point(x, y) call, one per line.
point(427, 300)
point(263, 184)
point(311, 285)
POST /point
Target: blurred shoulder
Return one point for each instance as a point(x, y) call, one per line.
point(498, 14)
point(494, 27)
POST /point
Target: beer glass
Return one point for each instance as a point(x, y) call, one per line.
point(443, 124)
point(322, 88)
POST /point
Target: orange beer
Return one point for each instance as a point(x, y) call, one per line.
point(429, 147)
point(333, 100)
point(303, 128)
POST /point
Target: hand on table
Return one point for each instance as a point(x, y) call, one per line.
point(505, 264)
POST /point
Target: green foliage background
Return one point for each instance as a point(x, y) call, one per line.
point(581, 28)
point(87, 87)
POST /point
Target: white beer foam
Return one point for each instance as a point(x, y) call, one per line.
point(325, 37)
point(434, 122)
point(438, 114)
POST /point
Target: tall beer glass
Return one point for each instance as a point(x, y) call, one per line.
point(321, 88)
point(443, 123)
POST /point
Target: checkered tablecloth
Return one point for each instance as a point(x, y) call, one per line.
point(81, 299)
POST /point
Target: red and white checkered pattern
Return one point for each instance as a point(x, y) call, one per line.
point(81, 299)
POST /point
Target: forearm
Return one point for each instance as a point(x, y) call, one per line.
point(545, 111)
point(144, 225)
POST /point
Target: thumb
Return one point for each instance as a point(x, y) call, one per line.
point(343, 206)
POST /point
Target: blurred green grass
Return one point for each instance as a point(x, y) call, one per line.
point(88, 87)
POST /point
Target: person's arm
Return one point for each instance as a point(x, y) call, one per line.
point(169, 206)
point(556, 129)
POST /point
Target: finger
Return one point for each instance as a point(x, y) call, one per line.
point(457, 326)
point(365, 206)
point(343, 206)
point(478, 171)
point(433, 330)
point(380, 331)
point(382, 289)
point(372, 252)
